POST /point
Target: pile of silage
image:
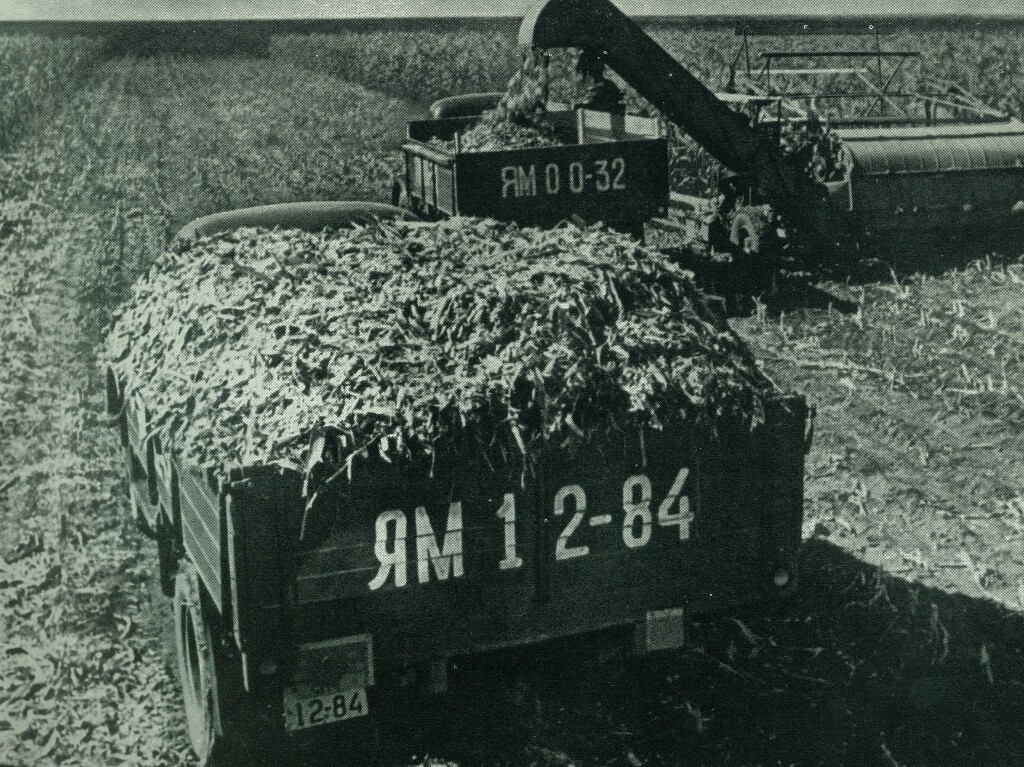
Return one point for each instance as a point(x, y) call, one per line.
point(519, 120)
point(246, 346)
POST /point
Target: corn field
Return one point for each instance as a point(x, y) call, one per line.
point(425, 65)
point(916, 470)
point(36, 75)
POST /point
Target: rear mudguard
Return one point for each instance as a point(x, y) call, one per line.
point(309, 216)
point(464, 105)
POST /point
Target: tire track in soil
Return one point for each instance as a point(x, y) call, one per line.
point(143, 146)
point(103, 690)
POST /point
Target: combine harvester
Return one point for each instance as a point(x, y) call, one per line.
point(925, 165)
point(929, 166)
point(920, 168)
point(932, 166)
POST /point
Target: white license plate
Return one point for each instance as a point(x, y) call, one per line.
point(308, 706)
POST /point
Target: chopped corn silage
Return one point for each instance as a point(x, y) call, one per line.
point(245, 347)
point(519, 120)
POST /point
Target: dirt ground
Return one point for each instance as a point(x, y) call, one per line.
point(861, 669)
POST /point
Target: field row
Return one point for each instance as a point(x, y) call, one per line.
point(426, 65)
point(89, 198)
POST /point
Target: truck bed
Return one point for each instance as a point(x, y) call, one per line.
point(458, 557)
point(610, 168)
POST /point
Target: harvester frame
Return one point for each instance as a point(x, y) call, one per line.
point(751, 72)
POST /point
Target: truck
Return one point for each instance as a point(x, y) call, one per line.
point(288, 626)
point(295, 627)
point(609, 168)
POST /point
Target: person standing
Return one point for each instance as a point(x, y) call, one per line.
point(600, 93)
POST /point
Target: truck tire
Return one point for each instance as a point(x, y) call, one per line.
point(749, 230)
point(138, 493)
point(197, 671)
point(756, 247)
point(224, 728)
point(167, 557)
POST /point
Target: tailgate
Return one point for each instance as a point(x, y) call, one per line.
point(614, 181)
point(470, 560)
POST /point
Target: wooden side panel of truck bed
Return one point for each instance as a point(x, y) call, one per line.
point(467, 560)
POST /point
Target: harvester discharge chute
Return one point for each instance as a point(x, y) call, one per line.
point(632, 54)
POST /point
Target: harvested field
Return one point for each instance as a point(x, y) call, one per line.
point(920, 404)
point(904, 643)
point(90, 197)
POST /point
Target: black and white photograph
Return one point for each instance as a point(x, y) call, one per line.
point(540, 383)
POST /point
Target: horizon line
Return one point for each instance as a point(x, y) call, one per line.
point(938, 15)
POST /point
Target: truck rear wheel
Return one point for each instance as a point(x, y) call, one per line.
point(167, 557)
point(756, 248)
point(196, 669)
point(224, 728)
point(143, 510)
point(749, 229)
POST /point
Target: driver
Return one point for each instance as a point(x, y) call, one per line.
point(601, 93)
